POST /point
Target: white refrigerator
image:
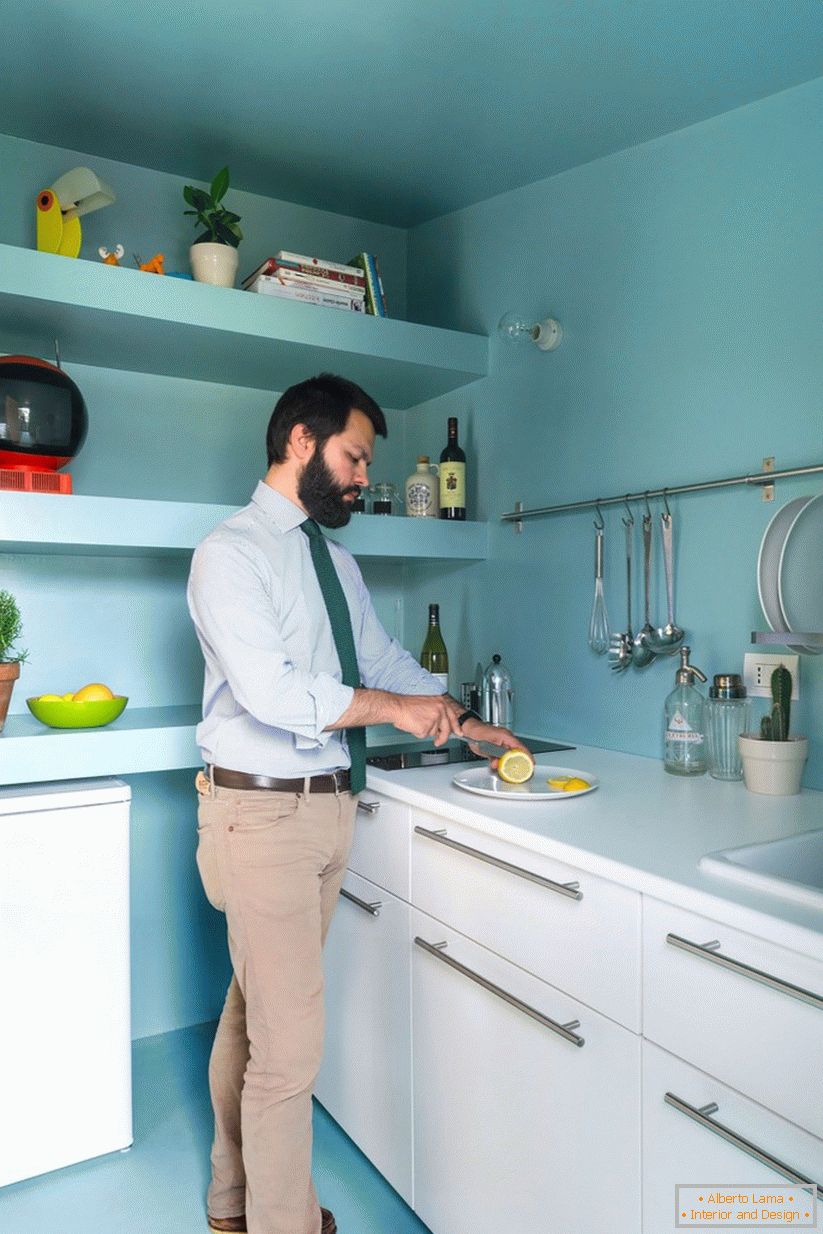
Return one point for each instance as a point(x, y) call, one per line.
point(65, 1040)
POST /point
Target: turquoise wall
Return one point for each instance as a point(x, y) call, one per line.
point(686, 273)
point(124, 620)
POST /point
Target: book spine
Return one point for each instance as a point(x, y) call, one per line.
point(294, 278)
point(314, 262)
point(380, 304)
point(380, 286)
point(268, 286)
point(354, 279)
point(374, 304)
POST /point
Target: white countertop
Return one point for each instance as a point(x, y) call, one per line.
point(642, 828)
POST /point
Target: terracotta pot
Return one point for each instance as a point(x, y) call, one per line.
point(214, 263)
point(773, 767)
point(8, 675)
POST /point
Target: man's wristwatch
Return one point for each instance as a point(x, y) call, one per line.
point(468, 715)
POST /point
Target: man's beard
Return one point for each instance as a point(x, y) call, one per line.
point(322, 496)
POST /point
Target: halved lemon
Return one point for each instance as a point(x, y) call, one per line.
point(568, 784)
point(515, 766)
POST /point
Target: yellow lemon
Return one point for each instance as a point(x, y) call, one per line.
point(93, 692)
point(68, 698)
point(515, 766)
point(51, 698)
point(558, 783)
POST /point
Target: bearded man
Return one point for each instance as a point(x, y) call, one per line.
point(296, 666)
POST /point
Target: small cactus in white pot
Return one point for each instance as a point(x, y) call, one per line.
point(773, 761)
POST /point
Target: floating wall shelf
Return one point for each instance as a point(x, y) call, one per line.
point(125, 319)
point(46, 523)
point(142, 739)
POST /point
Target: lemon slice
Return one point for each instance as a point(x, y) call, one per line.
point(568, 784)
point(515, 767)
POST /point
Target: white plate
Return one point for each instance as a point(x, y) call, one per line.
point(800, 572)
point(768, 562)
point(488, 784)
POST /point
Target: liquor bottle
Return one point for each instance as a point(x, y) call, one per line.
point(434, 657)
point(453, 477)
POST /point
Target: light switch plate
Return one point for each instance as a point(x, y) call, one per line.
point(758, 667)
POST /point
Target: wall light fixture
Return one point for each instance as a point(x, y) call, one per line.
point(515, 327)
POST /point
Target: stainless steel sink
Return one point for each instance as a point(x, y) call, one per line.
point(792, 867)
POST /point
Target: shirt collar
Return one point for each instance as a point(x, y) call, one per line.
point(283, 513)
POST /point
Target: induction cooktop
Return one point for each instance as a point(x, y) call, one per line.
point(400, 754)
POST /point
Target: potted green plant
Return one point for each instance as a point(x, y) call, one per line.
point(214, 253)
point(10, 659)
point(772, 760)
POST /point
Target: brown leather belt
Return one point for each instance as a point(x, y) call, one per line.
point(334, 782)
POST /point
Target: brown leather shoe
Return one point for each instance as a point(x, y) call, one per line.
point(228, 1225)
point(237, 1225)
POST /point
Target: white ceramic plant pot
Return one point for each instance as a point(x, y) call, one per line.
point(214, 263)
point(773, 767)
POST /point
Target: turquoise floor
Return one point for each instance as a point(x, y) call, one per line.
point(158, 1186)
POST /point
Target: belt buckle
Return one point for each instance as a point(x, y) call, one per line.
point(338, 777)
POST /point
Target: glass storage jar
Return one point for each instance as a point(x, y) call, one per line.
point(727, 716)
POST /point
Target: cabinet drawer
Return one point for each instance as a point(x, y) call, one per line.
point(574, 930)
point(380, 850)
point(760, 1031)
point(677, 1148)
point(365, 1079)
point(526, 1103)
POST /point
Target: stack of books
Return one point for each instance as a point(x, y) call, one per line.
point(313, 280)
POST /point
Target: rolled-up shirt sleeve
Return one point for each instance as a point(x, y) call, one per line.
point(233, 608)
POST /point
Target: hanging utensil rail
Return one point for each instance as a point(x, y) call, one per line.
point(760, 478)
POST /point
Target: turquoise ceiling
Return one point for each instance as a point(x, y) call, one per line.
point(393, 110)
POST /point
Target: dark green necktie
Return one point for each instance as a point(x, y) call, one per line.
point(338, 611)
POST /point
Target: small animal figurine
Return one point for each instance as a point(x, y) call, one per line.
point(113, 258)
point(155, 266)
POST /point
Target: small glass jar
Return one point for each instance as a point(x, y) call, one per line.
point(384, 495)
point(727, 716)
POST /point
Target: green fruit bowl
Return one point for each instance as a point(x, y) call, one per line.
point(63, 713)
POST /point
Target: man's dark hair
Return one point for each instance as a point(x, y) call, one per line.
point(323, 404)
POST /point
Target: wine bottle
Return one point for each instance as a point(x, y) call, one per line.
point(453, 477)
point(434, 657)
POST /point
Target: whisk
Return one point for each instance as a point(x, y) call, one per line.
point(599, 623)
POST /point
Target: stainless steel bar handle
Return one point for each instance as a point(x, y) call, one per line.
point(368, 807)
point(373, 908)
point(707, 952)
point(562, 1030)
point(739, 1141)
point(565, 889)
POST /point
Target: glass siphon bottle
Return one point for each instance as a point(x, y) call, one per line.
point(684, 736)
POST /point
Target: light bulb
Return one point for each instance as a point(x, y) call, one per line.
point(546, 334)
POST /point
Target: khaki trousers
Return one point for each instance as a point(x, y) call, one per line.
point(273, 863)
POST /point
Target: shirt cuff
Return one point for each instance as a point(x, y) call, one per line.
point(331, 698)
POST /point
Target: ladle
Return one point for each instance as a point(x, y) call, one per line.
point(642, 653)
point(665, 640)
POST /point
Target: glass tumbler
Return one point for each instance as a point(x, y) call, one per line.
point(727, 716)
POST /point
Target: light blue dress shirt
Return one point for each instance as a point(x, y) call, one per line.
point(273, 680)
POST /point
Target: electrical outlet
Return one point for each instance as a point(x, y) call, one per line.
point(758, 667)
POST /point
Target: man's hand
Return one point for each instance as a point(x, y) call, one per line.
point(477, 730)
point(427, 715)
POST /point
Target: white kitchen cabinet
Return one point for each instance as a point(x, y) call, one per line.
point(680, 1148)
point(365, 1080)
point(743, 1009)
point(579, 932)
point(518, 1127)
point(381, 847)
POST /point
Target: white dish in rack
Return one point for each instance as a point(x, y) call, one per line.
point(488, 784)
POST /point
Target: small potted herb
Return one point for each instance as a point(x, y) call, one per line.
point(772, 760)
point(10, 659)
point(214, 253)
